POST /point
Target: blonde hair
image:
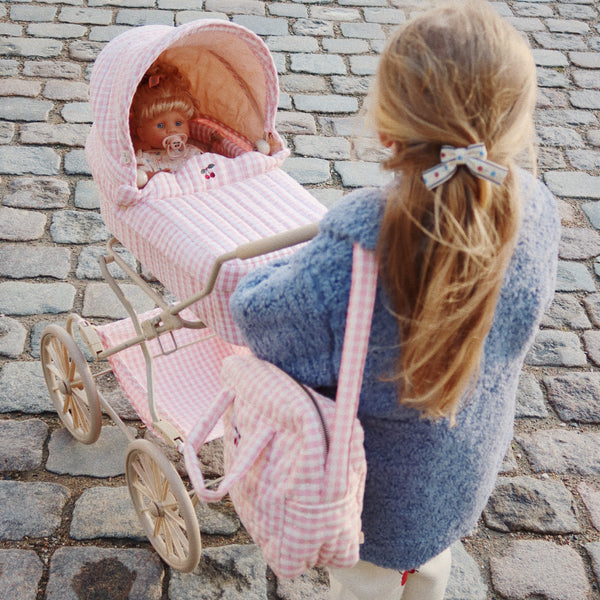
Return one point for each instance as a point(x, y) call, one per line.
point(164, 88)
point(457, 75)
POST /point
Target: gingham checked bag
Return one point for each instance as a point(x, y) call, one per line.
point(294, 459)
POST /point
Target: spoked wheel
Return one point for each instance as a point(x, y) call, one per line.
point(71, 385)
point(163, 506)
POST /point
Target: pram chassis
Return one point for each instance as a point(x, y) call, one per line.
point(161, 501)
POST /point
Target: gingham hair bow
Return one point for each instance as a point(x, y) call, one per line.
point(473, 156)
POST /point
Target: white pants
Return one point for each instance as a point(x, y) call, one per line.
point(366, 581)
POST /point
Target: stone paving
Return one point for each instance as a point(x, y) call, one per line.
point(67, 528)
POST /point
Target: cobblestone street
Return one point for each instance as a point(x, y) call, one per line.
point(67, 525)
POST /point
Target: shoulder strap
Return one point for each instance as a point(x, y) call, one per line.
point(354, 353)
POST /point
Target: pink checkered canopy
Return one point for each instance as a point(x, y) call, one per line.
point(233, 79)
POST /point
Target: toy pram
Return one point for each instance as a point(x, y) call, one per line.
point(198, 231)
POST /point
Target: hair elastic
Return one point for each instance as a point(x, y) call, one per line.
point(473, 157)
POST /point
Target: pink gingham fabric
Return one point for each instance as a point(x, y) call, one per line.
point(178, 232)
point(232, 144)
point(179, 223)
point(356, 341)
point(295, 472)
point(185, 382)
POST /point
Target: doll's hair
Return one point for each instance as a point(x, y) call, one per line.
point(163, 88)
point(458, 74)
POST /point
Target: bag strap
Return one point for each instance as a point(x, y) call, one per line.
point(354, 352)
point(196, 438)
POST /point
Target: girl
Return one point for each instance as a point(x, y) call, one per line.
point(159, 121)
point(467, 246)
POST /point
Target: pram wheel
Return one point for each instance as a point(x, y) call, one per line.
point(163, 506)
point(70, 384)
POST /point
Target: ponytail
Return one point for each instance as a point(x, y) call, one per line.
point(444, 254)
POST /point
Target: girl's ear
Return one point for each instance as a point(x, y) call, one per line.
point(386, 142)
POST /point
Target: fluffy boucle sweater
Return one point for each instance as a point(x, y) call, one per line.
point(427, 482)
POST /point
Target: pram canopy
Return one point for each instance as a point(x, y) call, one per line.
point(179, 223)
point(233, 79)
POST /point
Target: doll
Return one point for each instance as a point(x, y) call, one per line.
point(159, 121)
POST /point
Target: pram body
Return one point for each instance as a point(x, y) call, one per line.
point(198, 231)
point(180, 222)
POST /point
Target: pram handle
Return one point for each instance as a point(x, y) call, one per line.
point(277, 241)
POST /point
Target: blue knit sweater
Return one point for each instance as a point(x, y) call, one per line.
point(427, 482)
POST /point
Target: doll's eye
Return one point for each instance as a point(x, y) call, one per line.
point(160, 125)
point(178, 123)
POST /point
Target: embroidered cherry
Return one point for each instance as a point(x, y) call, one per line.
point(208, 172)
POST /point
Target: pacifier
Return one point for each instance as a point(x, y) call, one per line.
point(175, 144)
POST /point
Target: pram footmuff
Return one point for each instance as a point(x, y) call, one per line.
point(198, 230)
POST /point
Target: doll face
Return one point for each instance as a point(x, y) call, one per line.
point(154, 131)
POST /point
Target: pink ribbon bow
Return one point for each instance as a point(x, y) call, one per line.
point(473, 157)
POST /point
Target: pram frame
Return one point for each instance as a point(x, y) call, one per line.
point(169, 320)
point(160, 498)
point(169, 518)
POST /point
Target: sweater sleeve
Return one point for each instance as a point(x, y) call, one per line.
point(284, 312)
point(292, 311)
